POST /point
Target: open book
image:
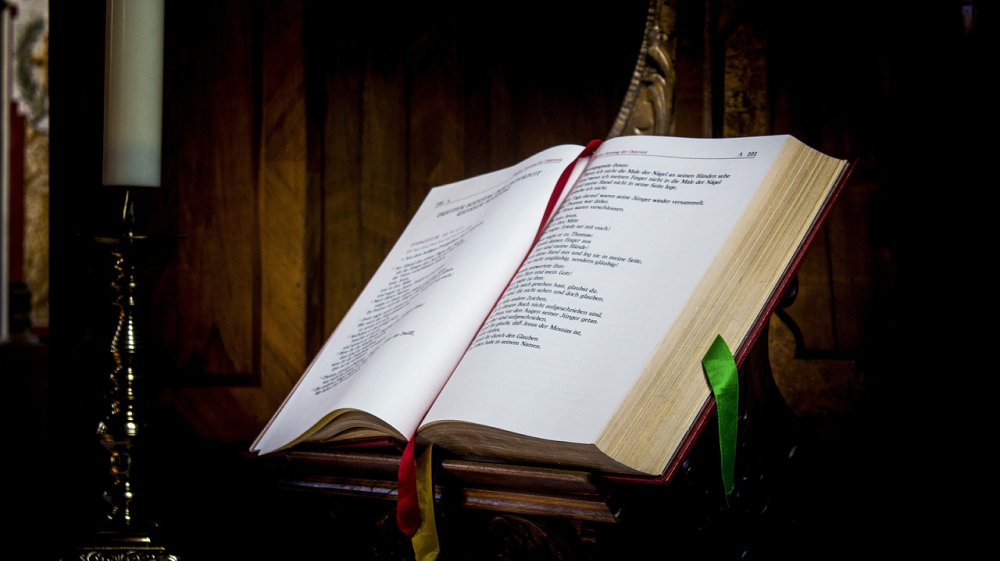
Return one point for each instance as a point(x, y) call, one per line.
point(496, 330)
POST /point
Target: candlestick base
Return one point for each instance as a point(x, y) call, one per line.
point(116, 546)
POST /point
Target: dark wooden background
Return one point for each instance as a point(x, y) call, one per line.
point(300, 136)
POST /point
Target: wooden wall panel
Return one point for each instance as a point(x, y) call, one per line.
point(437, 116)
point(384, 190)
point(502, 129)
point(339, 62)
point(231, 306)
point(205, 304)
point(283, 201)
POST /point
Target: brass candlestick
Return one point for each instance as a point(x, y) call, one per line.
point(126, 535)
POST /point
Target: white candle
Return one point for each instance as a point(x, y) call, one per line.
point(133, 92)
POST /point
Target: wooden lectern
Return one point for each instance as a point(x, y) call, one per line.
point(502, 511)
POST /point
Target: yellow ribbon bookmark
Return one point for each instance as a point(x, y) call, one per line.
point(425, 540)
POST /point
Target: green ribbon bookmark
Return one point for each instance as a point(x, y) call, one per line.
point(722, 376)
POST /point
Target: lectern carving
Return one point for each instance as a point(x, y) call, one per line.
point(648, 107)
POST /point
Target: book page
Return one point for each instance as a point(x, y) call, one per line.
point(402, 338)
point(604, 284)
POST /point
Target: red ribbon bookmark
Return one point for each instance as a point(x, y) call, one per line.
point(407, 507)
point(550, 208)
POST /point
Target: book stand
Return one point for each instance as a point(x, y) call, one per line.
point(507, 511)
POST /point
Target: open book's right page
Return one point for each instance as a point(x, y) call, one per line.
point(605, 282)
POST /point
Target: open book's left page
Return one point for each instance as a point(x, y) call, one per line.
point(402, 338)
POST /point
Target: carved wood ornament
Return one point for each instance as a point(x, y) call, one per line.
point(648, 107)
